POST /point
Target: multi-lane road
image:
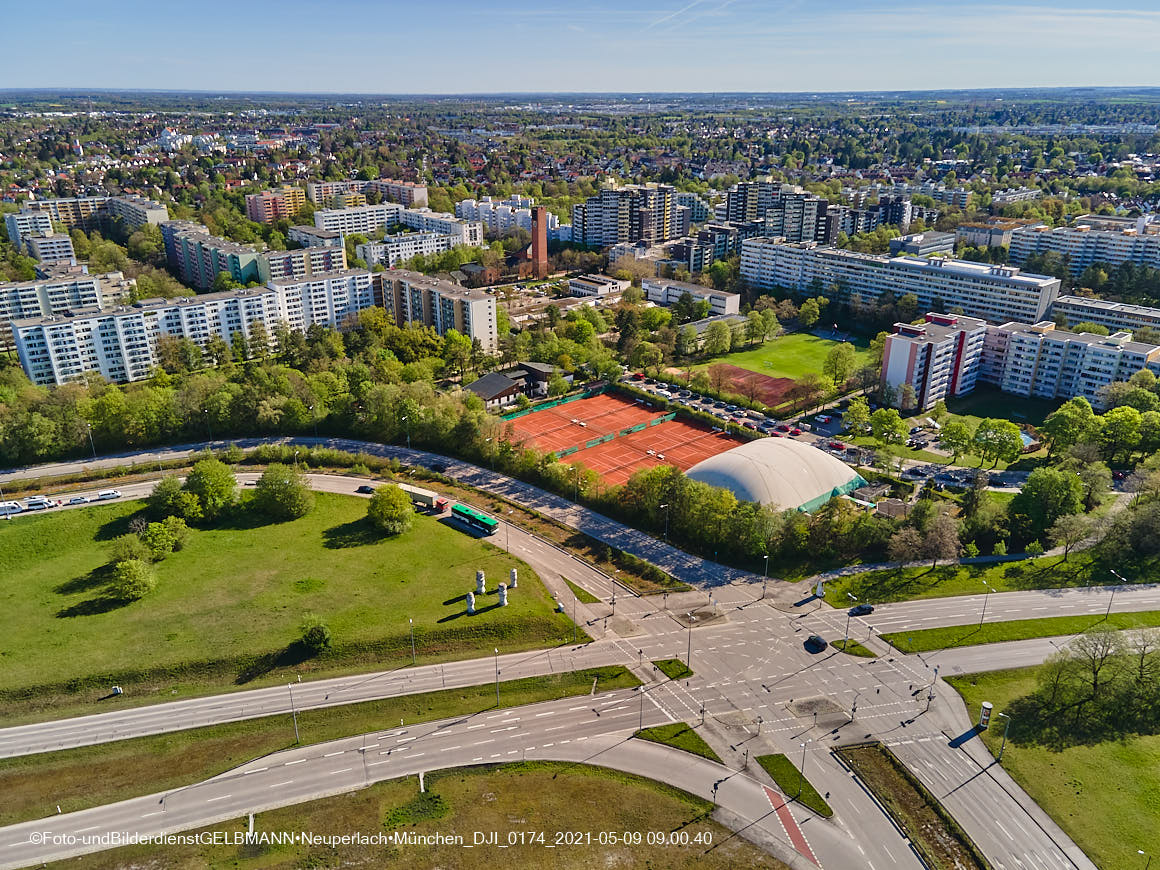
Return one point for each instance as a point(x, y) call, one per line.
point(756, 689)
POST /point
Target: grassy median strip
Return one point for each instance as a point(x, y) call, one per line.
point(34, 785)
point(674, 669)
point(518, 801)
point(852, 647)
point(792, 784)
point(932, 830)
point(582, 594)
point(680, 736)
point(948, 637)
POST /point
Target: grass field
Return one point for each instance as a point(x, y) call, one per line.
point(228, 607)
point(790, 356)
point(792, 784)
point(951, 636)
point(75, 779)
point(853, 648)
point(520, 798)
point(582, 594)
point(680, 736)
point(1106, 796)
point(1048, 572)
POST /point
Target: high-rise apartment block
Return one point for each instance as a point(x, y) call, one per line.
point(1086, 242)
point(121, 343)
point(1116, 316)
point(406, 193)
point(199, 257)
point(300, 262)
point(93, 212)
point(410, 297)
point(994, 293)
point(21, 225)
point(313, 237)
point(401, 247)
point(500, 216)
point(271, 205)
point(44, 297)
point(365, 220)
point(51, 248)
point(939, 358)
point(631, 213)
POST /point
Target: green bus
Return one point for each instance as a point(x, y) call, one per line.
point(480, 522)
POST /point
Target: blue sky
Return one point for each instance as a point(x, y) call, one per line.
point(452, 46)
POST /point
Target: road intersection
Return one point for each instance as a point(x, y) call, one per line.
point(755, 689)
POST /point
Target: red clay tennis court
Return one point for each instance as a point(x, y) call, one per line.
point(671, 442)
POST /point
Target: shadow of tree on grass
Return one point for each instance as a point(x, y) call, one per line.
point(356, 533)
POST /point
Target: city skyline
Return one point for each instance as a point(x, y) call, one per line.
point(521, 47)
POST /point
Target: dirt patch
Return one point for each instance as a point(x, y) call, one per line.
point(811, 706)
point(768, 390)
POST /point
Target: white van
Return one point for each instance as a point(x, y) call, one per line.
point(106, 494)
point(8, 508)
point(37, 503)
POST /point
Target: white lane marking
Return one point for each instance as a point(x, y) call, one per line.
point(280, 784)
point(255, 770)
point(147, 815)
point(93, 828)
point(344, 770)
point(549, 713)
point(298, 761)
point(219, 798)
point(332, 754)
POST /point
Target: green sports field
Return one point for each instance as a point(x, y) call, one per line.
point(791, 356)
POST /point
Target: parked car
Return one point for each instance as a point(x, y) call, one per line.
point(107, 494)
point(37, 503)
point(824, 419)
point(783, 428)
point(79, 499)
point(837, 445)
point(795, 431)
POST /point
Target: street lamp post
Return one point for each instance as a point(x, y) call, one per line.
point(408, 427)
point(802, 770)
point(849, 613)
point(91, 444)
point(986, 596)
point(412, 621)
point(208, 427)
point(640, 727)
point(314, 419)
point(689, 652)
point(1006, 728)
point(1112, 597)
point(666, 510)
point(293, 711)
point(497, 676)
point(1148, 863)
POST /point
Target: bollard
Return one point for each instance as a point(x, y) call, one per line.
point(470, 603)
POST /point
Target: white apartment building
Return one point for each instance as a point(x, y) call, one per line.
point(939, 358)
point(499, 216)
point(313, 237)
point(994, 293)
point(1084, 245)
point(401, 247)
point(1042, 361)
point(121, 343)
point(44, 297)
point(22, 224)
point(427, 221)
point(407, 193)
point(329, 298)
point(596, 285)
point(1115, 316)
point(300, 262)
point(364, 219)
point(410, 297)
point(50, 248)
point(136, 211)
point(665, 292)
point(319, 192)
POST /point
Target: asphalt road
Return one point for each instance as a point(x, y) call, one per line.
point(756, 689)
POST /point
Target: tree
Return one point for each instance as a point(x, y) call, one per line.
point(769, 320)
point(132, 579)
point(809, 313)
point(956, 438)
point(1069, 530)
point(857, 415)
point(941, 539)
point(997, 440)
point(1048, 494)
point(214, 485)
point(159, 538)
point(390, 510)
point(907, 396)
point(754, 327)
point(283, 493)
point(1074, 421)
point(129, 548)
point(169, 499)
point(717, 338)
point(316, 637)
point(1121, 431)
point(887, 426)
point(457, 350)
point(905, 544)
point(839, 363)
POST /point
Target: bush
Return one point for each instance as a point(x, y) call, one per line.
point(315, 635)
point(178, 531)
point(390, 510)
point(159, 540)
point(133, 579)
point(130, 548)
point(214, 485)
point(283, 493)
